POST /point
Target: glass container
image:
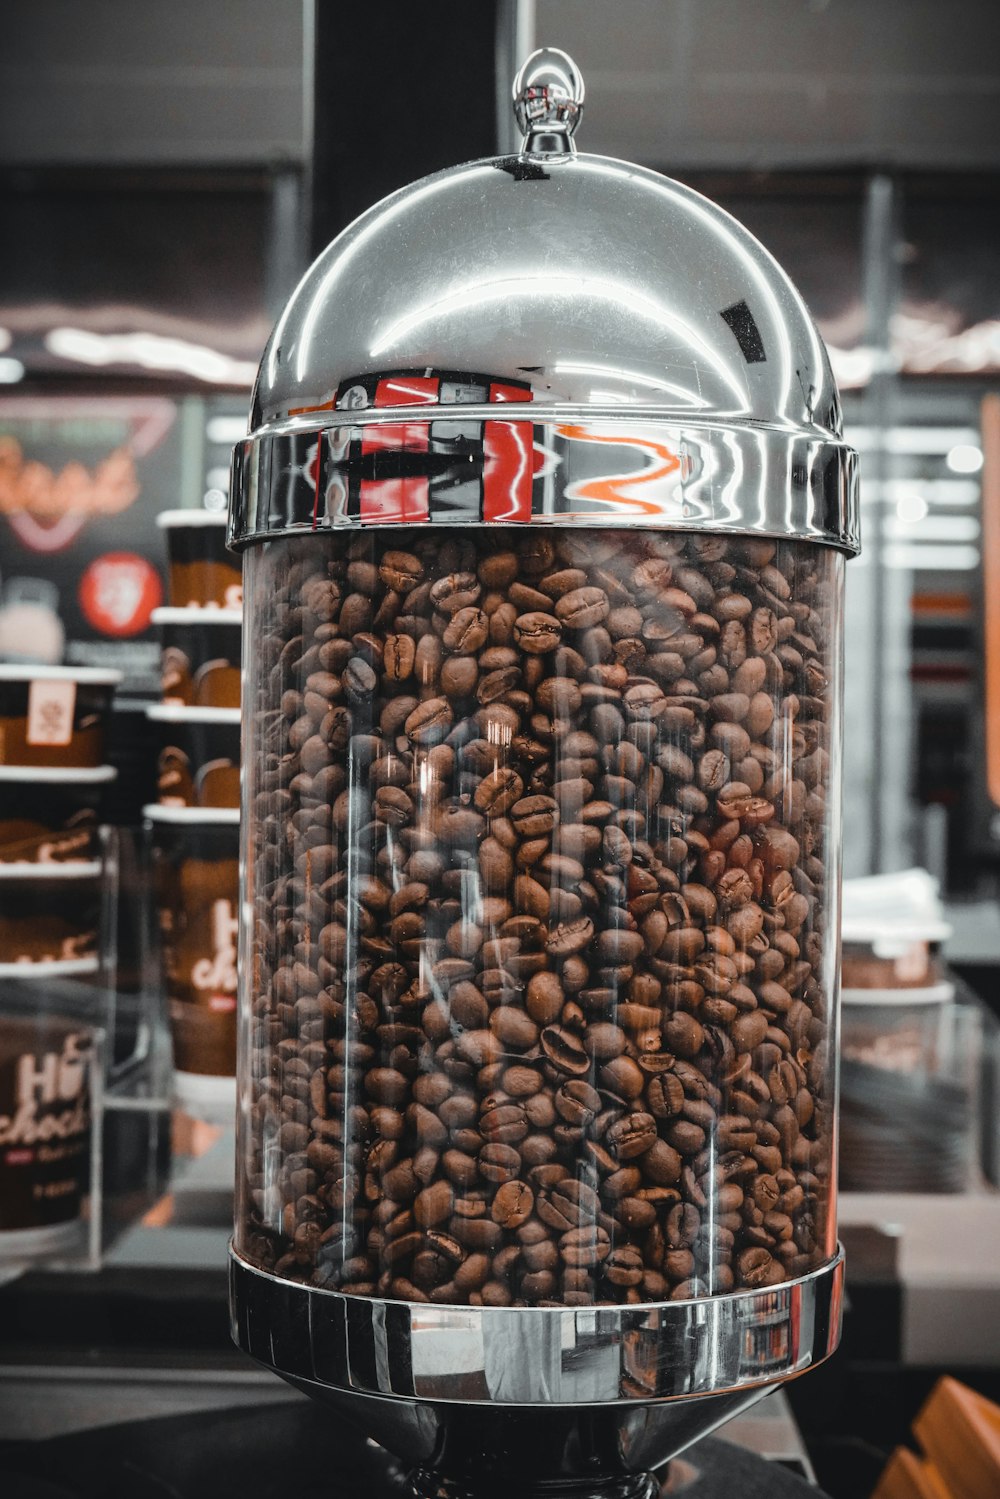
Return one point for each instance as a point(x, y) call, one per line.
point(544, 513)
point(541, 864)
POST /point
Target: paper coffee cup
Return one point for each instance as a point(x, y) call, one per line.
point(45, 1132)
point(203, 573)
point(201, 656)
point(199, 763)
point(195, 858)
point(50, 913)
point(54, 716)
point(51, 816)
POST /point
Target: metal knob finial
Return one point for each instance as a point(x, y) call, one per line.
point(548, 102)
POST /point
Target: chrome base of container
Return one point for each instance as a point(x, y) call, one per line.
point(580, 1401)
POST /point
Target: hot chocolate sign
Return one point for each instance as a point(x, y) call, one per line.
point(218, 972)
point(45, 1124)
point(50, 1096)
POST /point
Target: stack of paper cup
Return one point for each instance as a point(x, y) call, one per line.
point(53, 893)
point(45, 1132)
point(53, 724)
point(195, 822)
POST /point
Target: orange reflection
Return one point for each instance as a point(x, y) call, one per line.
point(616, 489)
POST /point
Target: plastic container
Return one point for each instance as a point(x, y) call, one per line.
point(199, 763)
point(201, 656)
point(54, 717)
point(45, 1133)
point(909, 1091)
point(892, 931)
point(51, 816)
point(195, 879)
point(203, 574)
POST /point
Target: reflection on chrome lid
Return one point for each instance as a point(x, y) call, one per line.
point(556, 289)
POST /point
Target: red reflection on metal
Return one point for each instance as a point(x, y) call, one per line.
point(407, 390)
point(508, 452)
point(501, 392)
point(382, 501)
point(405, 437)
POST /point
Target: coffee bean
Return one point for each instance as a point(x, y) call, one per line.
point(631, 1135)
point(429, 722)
point(512, 1204)
point(582, 607)
point(467, 631)
point(433, 1205)
point(498, 792)
point(499, 1163)
point(665, 1095)
point(540, 849)
point(534, 816)
point(565, 1051)
point(400, 571)
point(578, 1103)
point(623, 1266)
point(505, 1123)
point(537, 633)
point(545, 998)
point(570, 937)
point(584, 1247)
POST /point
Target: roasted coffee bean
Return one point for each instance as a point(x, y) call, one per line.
point(430, 722)
point(570, 937)
point(623, 1266)
point(582, 607)
point(581, 1248)
point(565, 1051)
point(512, 1204)
point(499, 1163)
point(539, 931)
point(631, 1135)
point(578, 1103)
point(665, 1095)
point(537, 633)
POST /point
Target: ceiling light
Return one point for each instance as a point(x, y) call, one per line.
point(149, 351)
point(964, 458)
point(911, 508)
point(226, 429)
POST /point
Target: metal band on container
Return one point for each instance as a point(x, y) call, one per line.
point(481, 468)
point(548, 1355)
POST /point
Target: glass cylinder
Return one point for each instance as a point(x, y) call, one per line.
point(541, 845)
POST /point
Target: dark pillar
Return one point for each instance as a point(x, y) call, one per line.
point(398, 90)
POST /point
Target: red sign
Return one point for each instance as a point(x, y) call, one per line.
point(118, 593)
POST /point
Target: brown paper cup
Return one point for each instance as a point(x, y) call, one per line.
point(199, 763)
point(203, 573)
point(50, 914)
point(54, 716)
point(51, 816)
point(45, 1128)
point(201, 656)
point(195, 880)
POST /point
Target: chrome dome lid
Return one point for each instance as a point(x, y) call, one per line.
point(573, 289)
